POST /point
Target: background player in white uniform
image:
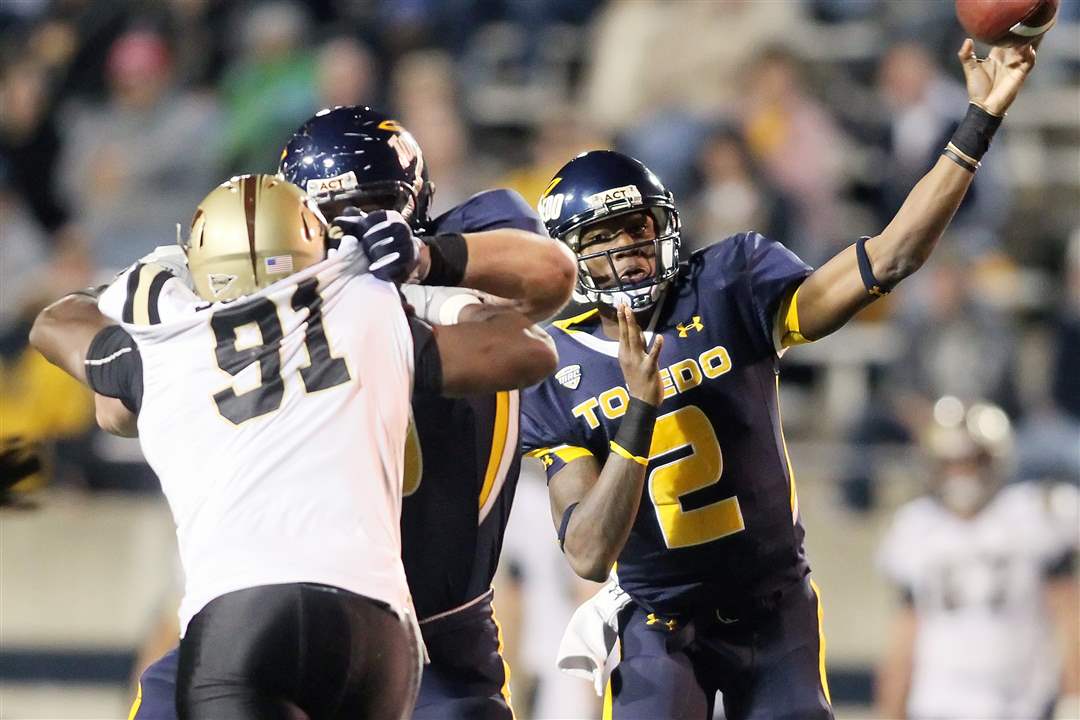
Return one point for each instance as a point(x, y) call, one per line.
point(987, 581)
point(277, 424)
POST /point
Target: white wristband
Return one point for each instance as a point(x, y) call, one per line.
point(450, 312)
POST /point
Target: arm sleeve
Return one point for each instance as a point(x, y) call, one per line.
point(491, 210)
point(548, 432)
point(114, 367)
point(427, 365)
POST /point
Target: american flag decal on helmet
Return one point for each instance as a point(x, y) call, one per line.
point(278, 264)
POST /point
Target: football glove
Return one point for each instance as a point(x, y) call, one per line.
point(386, 239)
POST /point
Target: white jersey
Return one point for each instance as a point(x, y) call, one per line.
point(984, 647)
point(277, 426)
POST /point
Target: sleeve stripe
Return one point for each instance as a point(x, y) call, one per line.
point(109, 359)
point(155, 294)
point(144, 300)
point(128, 314)
point(566, 453)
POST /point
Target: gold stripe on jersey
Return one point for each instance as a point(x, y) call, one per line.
point(787, 459)
point(566, 324)
point(505, 689)
point(788, 318)
point(137, 704)
point(498, 443)
point(141, 297)
point(414, 461)
point(821, 641)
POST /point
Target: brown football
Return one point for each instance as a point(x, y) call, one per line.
point(1006, 22)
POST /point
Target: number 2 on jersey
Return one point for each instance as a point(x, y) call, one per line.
point(322, 371)
point(697, 463)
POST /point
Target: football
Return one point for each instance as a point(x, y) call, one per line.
point(1006, 22)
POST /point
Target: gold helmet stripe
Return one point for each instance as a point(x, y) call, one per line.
point(249, 187)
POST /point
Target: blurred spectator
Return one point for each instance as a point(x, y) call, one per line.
point(345, 74)
point(139, 164)
point(732, 197)
point(39, 403)
point(1066, 379)
point(560, 136)
point(799, 146)
point(30, 142)
point(1048, 439)
point(678, 54)
point(270, 89)
point(424, 89)
point(199, 30)
point(668, 141)
point(924, 107)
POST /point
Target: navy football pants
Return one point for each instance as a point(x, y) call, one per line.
point(467, 678)
point(768, 667)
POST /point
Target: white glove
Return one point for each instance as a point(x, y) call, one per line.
point(590, 645)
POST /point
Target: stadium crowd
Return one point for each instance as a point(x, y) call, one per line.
point(118, 116)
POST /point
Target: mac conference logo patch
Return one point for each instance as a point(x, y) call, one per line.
point(569, 377)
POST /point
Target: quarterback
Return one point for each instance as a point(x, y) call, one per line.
point(663, 446)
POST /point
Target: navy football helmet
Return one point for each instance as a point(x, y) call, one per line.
point(353, 155)
point(599, 185)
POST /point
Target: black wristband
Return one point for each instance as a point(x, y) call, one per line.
point(449, 255)
point(960, 159)
point(866, 271)
point(974, 133)
point(636, 429)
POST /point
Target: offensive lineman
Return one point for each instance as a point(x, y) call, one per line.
point(670, 458)
point(274, 406)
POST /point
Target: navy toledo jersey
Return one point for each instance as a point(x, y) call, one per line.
point(464, 459)
point(718, 520)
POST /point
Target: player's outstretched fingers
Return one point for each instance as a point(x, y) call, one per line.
point(654, 351)
point(623, 332)
point(967, 55)
point(636, 337)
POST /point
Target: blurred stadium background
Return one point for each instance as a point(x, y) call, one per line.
point(806, 119)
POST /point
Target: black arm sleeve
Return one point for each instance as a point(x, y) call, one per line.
point(427, 365)
point(114, 367)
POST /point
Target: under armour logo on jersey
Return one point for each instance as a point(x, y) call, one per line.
point(669, 623)
point(569, 377)
point(694, 324)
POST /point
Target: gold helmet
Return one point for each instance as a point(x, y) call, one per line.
point(249, 232)
point(971, 446)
